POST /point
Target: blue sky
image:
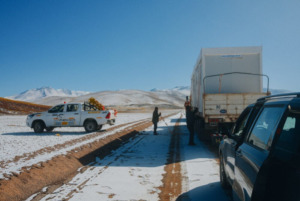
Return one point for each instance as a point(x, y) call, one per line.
point(138, 44)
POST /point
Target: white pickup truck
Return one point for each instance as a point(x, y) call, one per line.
point(71, 115)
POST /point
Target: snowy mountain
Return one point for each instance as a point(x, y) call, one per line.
point(44, 92)
point(122, 98)
point(185, 90)
point(277, 91)
point(50, 96)
point(174, 96)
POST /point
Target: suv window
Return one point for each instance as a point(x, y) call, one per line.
point(72, 107)
point(264, 126)
point(58, 108)
point(241, 123)
point(289, 137)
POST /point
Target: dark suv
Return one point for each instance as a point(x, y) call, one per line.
point(260, 156)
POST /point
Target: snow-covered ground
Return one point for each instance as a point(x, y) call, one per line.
point(135, 171)
point(201, 171)
point(16, 139)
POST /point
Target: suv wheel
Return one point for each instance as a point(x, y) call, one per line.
point(90, 126)
point(38, 127)
point(224, 183)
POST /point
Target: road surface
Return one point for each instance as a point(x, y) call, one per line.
point(147, 167)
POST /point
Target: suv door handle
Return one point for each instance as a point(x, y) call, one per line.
point(76, 113)
point(238, 153)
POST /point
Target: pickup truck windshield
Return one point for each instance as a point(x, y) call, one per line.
point(58, 108)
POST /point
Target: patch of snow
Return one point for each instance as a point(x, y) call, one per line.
point(17, 139)
point(133, 172)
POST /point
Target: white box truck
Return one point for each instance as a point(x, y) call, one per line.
point(225, 81)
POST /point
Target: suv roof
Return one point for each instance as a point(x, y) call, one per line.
point(285, 95)
point(291, 99)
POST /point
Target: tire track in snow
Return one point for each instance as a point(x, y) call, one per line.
point(137, 166)
point(62, 168)
point(171, 187)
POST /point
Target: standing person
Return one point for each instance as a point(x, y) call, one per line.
point(190, 121)
point(155, 119)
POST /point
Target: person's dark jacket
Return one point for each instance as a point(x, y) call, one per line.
point(191, 117)
point(155, 117)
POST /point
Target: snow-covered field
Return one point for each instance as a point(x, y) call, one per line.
point(16, 139)
point(136, 170)
point(133, 172)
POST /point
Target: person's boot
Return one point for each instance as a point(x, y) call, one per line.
point(192, 143)
point(155, 133)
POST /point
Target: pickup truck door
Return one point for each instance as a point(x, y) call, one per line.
point(253, 153)
point(231, 143)
point(72, 115)
point(54, 115)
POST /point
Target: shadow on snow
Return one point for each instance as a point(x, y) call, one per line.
point(206, 192)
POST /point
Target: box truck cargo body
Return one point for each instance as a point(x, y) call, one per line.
point(225, 81)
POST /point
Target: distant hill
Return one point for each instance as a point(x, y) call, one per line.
point(121, 98)
point(45, 92)
point(185, 90)
point(8, 106)
point(134, 98)
point(49, 96)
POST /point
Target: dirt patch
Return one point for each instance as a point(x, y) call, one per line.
point(62, 168)
point(111, 195)
point(171, 187)
point(14, 107)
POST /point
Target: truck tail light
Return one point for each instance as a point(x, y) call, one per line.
point(108, 116)
point(215, 120)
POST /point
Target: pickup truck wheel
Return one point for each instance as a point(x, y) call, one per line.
point(224, 183)
point(99, 127)
point(90, 126)
point(49, 129)
point(38, 127)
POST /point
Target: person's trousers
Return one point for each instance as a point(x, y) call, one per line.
point(155, 126)
point(192, 132)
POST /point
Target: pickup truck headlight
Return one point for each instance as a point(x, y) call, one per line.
point(30, 116)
